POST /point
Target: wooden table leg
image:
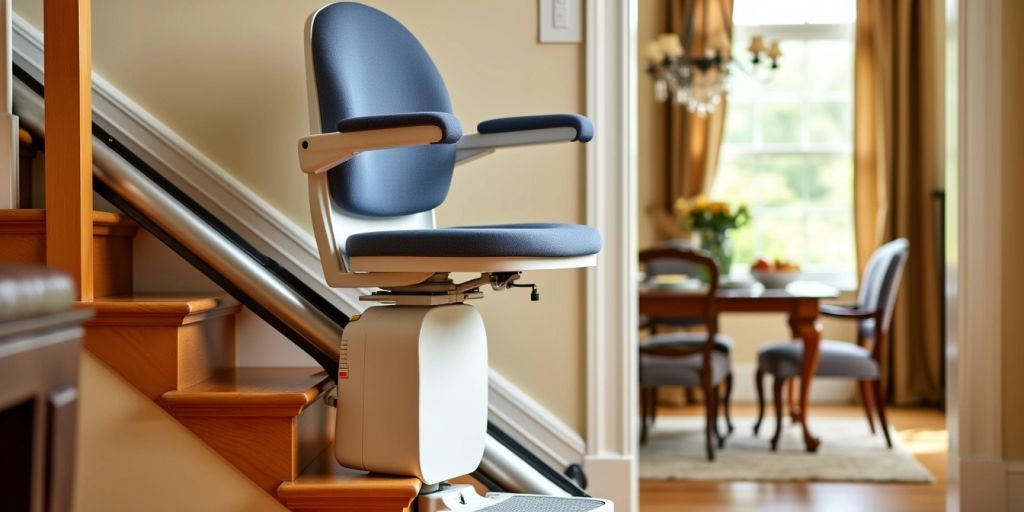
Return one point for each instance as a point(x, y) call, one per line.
point(803, 322)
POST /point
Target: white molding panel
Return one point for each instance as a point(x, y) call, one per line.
point(611, 72)
point(978, 421)
point(531, 424)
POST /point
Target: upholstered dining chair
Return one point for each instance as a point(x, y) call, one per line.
point(674, 266)
point(688, 359)
point(838, 359)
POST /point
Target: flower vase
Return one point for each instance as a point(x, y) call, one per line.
point(718, 245)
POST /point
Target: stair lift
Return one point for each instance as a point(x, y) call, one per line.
point(412, 378)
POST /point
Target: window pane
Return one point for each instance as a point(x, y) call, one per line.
point(781, 123)
point(830, 182)
point(828, 123)
point(739, 129)
point(830, 241)
point(774, 233)
point(830, 61)
point(744, 180)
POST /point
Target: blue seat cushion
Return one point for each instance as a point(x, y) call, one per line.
point(505, 240)
point(656, 370)
point(838, 359)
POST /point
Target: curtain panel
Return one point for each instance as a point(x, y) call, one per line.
point(692, 142)
point(897, 168)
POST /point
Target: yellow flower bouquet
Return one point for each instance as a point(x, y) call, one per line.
point(711, 221)
point(701, 214)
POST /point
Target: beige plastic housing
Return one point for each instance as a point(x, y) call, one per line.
point(412, 392)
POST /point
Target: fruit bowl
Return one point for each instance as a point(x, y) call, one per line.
point(775, 278)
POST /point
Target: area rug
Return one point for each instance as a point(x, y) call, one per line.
point(848, 453)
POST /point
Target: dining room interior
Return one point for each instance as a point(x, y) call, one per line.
point(793, 175)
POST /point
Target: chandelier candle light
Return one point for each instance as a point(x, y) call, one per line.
point(699, 80)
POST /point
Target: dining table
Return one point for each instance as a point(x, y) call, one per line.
point(801, 301)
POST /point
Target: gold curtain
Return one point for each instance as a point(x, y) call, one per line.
point(897, 141)
point(692, 142)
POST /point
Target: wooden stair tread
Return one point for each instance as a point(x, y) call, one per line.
point(154, 308)
point(17, 220)
point(326, 483)
point(250, 392)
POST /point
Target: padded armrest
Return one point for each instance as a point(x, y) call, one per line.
point(451, 129)
point(852, 312)
point(584, 128)
point(319, 153)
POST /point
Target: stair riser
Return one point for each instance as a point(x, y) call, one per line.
point(157, 358)
point(23, 238)
point(267, 449)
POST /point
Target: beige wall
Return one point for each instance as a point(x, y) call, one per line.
point(228, 77)
point(132, 455)
point(650, 117)
point(1013, 241)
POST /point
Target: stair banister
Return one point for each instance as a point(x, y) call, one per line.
point(68, 63)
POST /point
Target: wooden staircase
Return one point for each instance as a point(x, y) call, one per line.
point(181, 351)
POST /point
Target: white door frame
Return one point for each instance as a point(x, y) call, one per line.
point(611, 71)
point(8, 122)
point(978, 471)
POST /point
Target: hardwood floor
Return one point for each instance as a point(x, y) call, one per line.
point(922, 432)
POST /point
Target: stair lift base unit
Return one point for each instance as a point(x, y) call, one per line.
point(463, 498)
point(412, 392)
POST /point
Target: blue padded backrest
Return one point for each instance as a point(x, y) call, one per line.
point(366, 63)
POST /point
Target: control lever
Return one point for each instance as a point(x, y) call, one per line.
point(534, 294)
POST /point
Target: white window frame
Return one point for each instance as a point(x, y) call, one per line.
point(844, 280)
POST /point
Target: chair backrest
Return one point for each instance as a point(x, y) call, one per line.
point(697, 260)
point(673, 265)
point(364, 62)
point(881, 281)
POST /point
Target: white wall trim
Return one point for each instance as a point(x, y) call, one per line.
point(611, 72)
point(281, 239)
point(517, 413)
point(982, 476)
point(9, 164)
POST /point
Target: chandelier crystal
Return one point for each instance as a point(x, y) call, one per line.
point(700, 81)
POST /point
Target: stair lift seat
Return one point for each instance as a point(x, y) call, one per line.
point(384, 144)
point(509, 247)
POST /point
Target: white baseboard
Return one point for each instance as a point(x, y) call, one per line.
point(823, 391)
point(1015, 485)
point(983, 485)
point(531, 424)
point(613, 477)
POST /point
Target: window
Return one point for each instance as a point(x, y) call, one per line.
point(788, 145)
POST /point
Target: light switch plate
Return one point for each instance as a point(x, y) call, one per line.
point(561, 21)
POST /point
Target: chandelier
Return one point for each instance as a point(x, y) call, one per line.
point(699, 79)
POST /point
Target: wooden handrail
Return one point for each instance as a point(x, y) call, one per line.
point(68, 62)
